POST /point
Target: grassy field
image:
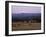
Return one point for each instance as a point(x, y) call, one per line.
point(25, 26)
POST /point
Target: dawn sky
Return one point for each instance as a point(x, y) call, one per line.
point(25, 9)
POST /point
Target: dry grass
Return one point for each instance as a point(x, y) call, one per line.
point(25, 26)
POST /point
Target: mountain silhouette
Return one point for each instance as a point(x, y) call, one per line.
point(26, 16)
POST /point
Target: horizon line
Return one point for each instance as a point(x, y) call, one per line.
point(21, 13)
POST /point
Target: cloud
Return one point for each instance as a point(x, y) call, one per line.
point(25, 9)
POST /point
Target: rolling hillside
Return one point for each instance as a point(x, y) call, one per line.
point(26, 17)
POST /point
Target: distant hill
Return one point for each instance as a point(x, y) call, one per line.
point(26, 16)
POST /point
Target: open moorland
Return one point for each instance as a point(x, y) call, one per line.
point(26, 21)
point(26, 26)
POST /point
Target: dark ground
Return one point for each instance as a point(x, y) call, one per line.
point(26, 25)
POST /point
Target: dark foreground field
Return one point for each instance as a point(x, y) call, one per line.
point(26, 26)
